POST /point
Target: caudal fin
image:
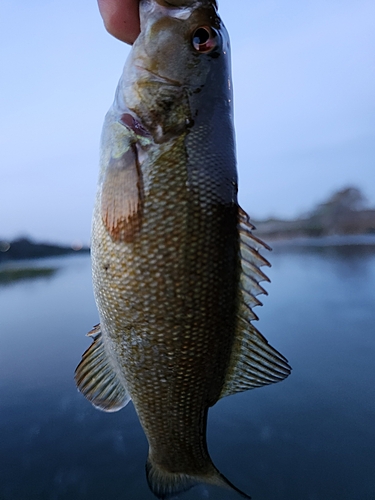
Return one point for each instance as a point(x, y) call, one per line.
point(164, 484)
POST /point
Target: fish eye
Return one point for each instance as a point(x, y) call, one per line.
point(203, 39)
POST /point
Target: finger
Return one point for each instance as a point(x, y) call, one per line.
point(121, 18)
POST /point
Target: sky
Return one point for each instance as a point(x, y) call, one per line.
point(304, 94)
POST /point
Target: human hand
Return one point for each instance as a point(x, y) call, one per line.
point(121, 18)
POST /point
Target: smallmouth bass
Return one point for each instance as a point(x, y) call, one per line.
point(176, 267)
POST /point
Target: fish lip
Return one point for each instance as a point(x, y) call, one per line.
point(158, 78)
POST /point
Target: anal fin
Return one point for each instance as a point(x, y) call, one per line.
point(96, 378)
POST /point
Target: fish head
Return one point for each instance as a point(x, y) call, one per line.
point(174, 37)
point(183, 49)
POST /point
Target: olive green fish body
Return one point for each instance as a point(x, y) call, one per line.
point(175, 264)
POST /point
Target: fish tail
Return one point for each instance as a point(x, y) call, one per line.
point(219, 479)
point(165, 484)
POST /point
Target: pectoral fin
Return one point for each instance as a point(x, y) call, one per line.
point(96, 378)
point(122, 196)
point(253, 363)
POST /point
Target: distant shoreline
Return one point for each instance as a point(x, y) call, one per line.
point(23, 248)
point(338, 240)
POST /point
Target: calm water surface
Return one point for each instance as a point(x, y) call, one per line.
point(311, 437)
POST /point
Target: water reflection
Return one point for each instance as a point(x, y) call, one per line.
point(9, 275)
point(311, 437)
point(346, 258)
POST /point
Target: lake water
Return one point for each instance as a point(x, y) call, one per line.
point(311, 437)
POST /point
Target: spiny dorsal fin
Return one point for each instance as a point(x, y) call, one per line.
point(251, 262)
point(96, 378)
point(254, 362)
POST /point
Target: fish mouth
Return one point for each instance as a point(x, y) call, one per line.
point(155, 77)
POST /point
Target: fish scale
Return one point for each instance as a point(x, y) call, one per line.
point(175, 263)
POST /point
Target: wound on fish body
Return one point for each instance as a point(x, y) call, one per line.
point(176, 266)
